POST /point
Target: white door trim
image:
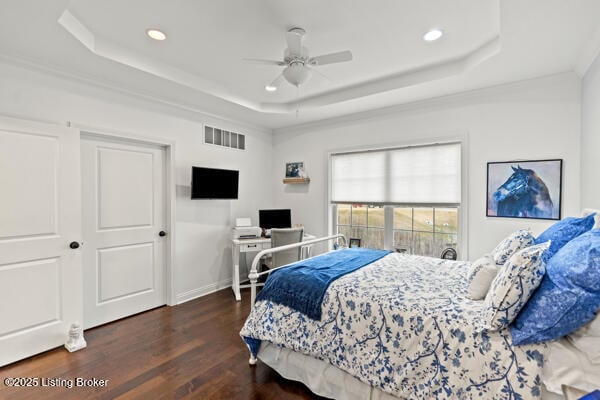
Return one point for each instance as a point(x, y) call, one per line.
point(170, 189)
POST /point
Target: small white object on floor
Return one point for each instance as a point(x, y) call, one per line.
point(75, 341)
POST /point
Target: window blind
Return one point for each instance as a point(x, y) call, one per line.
point(411, 175)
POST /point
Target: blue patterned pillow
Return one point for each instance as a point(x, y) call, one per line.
point(510, 245)
point(513, 286)
point(564, 231)
point(568, 296)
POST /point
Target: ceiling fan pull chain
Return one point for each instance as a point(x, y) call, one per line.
point(297, 101)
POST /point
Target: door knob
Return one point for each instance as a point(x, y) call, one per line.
point(162, 233)
point(74, 245)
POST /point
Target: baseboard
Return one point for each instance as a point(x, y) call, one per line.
point(202, 291)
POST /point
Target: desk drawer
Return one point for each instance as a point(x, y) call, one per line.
point(245, 247)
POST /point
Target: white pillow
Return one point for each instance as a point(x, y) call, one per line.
point(511, 244)
point(511, 288)
point(587, 339)
point(480, 276)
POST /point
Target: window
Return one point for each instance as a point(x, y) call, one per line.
point(406, 199)
point(362, 222)
point(425, 231)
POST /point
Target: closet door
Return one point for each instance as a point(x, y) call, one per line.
point(40, 234)
point(123, 228)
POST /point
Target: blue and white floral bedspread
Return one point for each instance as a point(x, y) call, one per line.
point(405, 325)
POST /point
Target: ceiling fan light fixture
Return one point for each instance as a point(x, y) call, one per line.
point(433, 35)
point(156, 34)
point(297, 63)
point(296, 74)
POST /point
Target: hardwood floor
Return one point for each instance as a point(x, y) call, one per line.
point(190, 351)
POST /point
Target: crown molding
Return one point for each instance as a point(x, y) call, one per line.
point(430, 104)
point(57, 72)
point(588, 55)
point(382, 112)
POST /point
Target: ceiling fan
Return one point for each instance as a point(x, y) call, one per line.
point(297, 62)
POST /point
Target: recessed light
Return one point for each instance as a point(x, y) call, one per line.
point(270, 88)
point(156, 34)
point(433, 35)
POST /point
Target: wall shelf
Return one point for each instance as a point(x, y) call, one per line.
point(296, 180)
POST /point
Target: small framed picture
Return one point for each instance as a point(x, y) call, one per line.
point(295, 170)
point(354, 242)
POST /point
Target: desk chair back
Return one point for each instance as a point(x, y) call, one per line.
point(280, 237)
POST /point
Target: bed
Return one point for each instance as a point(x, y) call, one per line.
point(399, 327)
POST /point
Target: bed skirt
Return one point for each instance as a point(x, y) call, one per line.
point(327, 380)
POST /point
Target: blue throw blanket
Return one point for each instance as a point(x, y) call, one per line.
point(302, 285)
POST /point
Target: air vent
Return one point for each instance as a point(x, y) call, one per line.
point(221, 137)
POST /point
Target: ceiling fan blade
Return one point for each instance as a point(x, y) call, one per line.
point(328, 79)
point(332, 58)
point(294, 40)
point(264, 62)
point(276, 82)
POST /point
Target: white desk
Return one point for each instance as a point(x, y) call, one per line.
point(249, 246)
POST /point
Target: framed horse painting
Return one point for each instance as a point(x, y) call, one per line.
point(524, 189)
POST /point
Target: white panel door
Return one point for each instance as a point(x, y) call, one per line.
point(123, 216)
point(40, 215)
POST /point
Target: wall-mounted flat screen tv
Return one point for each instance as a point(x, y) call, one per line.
point(212, 183)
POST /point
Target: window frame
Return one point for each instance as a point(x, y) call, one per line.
point(462, 217)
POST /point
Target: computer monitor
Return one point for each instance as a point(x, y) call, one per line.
point(268, 219)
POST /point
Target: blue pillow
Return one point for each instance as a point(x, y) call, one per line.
point(568, 296)
point(564, 231)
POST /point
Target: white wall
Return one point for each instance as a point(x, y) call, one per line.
point(203, 227)
point(590, 136)
point(530, 120)
point(536, 119)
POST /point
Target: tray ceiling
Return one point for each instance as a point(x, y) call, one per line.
point(200, 65)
